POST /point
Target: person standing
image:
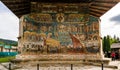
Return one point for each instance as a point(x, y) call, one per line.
point(113, 55)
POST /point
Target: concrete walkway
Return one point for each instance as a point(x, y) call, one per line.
point(62, 66)
point(115, 63)
point(2, 67)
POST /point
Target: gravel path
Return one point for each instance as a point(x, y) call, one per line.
point(2, 67)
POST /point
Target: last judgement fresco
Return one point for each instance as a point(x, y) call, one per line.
point(65, 28)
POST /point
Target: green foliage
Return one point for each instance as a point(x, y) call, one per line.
point(1, 42)
point(8, 42)
point(104, 44)
point(116, 39)
point(6, 59)
point(108, 41)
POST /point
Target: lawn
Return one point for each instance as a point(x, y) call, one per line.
point(6, 59)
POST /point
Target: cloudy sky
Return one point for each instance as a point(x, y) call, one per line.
point(110, 22)
point(9, 23)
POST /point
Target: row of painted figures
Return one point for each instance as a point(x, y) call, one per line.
point(61, 28)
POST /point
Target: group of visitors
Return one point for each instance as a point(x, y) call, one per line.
point(114, 55)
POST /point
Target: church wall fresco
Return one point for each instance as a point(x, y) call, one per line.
point(60, 28)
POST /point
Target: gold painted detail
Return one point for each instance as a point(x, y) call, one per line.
point(75, 17)
point(60, 17)
point(42, 18)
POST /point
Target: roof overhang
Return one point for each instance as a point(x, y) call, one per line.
point(97, 7)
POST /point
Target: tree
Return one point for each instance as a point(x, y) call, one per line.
point(2, 43)
point(115, 39)
point(118, 40)
point(107, 43)
point(104, 44)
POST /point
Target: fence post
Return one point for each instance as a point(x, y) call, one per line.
point(102, 65)
point(71, 66)
point(9, 66)
point(37, 66)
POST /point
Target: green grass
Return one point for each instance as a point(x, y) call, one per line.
point(6, 59)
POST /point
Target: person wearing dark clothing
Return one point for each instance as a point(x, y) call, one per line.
point(108, 54)
point(116, 55)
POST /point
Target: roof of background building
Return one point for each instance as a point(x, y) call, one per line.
point(7, 47)
point(115, 45)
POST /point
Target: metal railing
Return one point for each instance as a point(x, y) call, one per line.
point(38, 66)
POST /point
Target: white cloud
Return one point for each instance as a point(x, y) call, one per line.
point(109, 21)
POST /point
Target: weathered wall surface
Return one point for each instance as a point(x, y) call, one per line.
point(60, 28)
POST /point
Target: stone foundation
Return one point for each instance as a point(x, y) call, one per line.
point(61, 58)
point(58, 57)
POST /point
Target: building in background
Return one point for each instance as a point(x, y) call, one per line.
point(7, 48)
point(115, 47)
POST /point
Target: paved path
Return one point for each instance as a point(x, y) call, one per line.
point(116, 63)
point(60, 67)
point(67, 68)
point(2, 67)
point(64, 67)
